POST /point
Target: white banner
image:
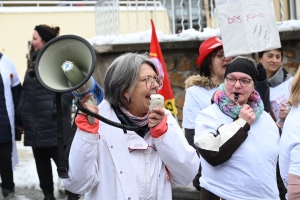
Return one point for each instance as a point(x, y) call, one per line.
point(247, 26)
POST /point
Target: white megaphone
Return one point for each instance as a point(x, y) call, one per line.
point(66, 64)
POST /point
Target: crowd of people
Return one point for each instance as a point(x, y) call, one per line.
point(240, 138)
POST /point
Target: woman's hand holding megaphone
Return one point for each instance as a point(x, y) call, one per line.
point(91, 107)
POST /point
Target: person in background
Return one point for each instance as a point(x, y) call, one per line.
point(200, 88)
point(289, 146)
point(37, 110)
point(141, 164)
point(10, 87)
point(280, 82)
point(238, 159)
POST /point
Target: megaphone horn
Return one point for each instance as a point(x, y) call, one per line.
point(66, 64)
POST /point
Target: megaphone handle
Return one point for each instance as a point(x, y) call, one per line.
point(91, 119)
point(92, 100)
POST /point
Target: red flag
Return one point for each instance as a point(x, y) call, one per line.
point(157, 57)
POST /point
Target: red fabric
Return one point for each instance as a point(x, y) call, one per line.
point(206, 47)
point(84, 125)
point(160, 128)
point(166, 90)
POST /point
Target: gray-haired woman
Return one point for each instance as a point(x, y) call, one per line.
point(113, 163)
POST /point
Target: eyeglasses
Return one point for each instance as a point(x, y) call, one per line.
point(243, 81)
point(222, 57)
point(150, 81)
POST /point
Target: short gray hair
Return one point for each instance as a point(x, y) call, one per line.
point(123, 75)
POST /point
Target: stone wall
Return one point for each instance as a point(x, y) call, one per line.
point(180, 59)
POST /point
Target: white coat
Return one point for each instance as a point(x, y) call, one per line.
point(250, 173)
point(289, 146)
point(10, 79)
point(112, 165)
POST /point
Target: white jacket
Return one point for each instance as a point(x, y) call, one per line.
point(289, 146)
point(10, 79)
point(114, 165)
point(250, 172)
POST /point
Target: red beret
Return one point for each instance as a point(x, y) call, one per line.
point(207, 46)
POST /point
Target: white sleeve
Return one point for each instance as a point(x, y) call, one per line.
point(83, 166)
point(192, 106)
point(13, 72)
point(178, 156)
point(295, 160)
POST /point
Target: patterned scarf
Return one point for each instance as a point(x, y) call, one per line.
point(139, 121)
point(232, 109)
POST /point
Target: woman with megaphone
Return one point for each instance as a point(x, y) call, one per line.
point(107, 162)
point(37, 110)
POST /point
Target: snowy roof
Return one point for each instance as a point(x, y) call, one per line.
point(189, 34)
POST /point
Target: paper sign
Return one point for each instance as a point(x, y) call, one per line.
point(247, 26)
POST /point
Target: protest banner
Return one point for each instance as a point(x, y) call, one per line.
point(247, 26)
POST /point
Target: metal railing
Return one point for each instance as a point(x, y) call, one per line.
point(46, 3)
point(107, 18)
point(180, 14)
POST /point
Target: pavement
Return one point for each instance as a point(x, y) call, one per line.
point(29, 189)
point(179, 193)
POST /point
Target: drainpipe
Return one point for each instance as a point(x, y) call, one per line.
point(297, 9)
point(292, 9)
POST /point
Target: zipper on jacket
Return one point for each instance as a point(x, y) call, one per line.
point(34, 114)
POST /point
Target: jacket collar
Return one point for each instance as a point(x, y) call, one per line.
point(280, 76)
point(201, 81)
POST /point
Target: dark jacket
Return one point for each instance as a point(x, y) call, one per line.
point(37, 110)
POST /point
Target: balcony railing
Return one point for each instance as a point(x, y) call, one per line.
point(9, 3)
point(182, 14)
point(175, 15)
